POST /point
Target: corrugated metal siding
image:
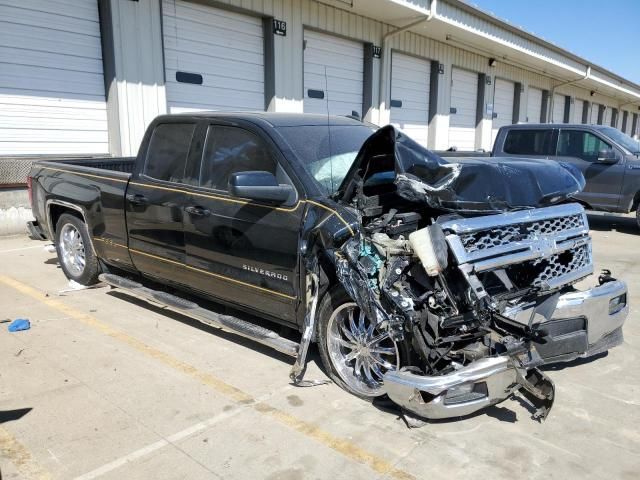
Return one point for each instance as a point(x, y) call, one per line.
point(458, 16)
point(410, 84)
point(307, 13)
point(138, 94)
point(289, 60)
point(52, 98)
point(224, 47)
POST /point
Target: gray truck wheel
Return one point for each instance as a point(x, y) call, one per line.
point(354, 352)
point(76, 257)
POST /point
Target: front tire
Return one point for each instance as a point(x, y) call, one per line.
point(353, 350)
point(75, 254)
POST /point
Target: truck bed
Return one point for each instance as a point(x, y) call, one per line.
point(93, 187)
point(115, 164)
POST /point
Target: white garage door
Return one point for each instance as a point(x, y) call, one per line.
point(534, 105)
point(462, 116)
point(593, 116)
point(607, 116)
point(333, 71)
point(558, 109)
point(578, 108)
point(502, 105)
point(410, 82)
point(51, 81)
point(629, 130)
point(214, 58)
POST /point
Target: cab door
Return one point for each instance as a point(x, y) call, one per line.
point(603, 180)
point(154, 204)
point(241, 251)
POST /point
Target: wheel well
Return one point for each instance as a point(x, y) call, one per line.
point(636, 202)
point(55, 211)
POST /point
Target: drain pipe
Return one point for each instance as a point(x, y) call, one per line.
point(586, 76)
point(384, 66)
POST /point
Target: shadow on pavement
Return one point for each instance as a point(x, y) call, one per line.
point(500, 412)
point(12, 415)
point(573, 363)
point(207, 328)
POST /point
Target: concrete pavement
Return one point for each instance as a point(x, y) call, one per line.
point(103, 386)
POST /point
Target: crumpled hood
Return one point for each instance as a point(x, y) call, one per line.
point(478, 184)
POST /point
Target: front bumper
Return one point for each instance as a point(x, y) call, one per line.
point(491, 380)
point(595, 305)
point(430, 397)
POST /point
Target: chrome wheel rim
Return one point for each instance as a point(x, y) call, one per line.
point(72, 252)
point(359, 351)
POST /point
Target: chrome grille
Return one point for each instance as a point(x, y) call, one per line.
point(550, 246)
point(562, 264)
point(503, 235)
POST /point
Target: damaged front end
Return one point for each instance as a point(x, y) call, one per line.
point(474, 283)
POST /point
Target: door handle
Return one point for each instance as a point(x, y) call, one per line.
point(137, 199)
point(197, 211)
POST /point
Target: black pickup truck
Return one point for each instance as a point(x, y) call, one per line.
point(443, 285)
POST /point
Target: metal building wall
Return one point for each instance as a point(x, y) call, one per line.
point(288, 59)
point(134, 71)
point(134, 63)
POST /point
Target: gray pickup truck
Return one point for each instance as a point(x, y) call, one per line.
point(608, 159)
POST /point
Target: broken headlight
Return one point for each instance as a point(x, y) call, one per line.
point(466, 392)
point(617, 303)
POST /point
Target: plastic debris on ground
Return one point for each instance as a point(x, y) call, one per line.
point(19, 324)
point(74, 286)
point(51, 248)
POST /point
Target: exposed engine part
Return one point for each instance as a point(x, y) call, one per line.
point(431, 248)
point(481, 298)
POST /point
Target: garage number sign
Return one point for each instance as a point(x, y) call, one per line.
point(279, 27)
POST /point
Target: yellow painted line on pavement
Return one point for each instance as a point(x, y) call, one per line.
point(308, 429)
point(20, 457)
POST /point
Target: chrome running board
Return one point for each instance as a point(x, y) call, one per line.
point(191, 309)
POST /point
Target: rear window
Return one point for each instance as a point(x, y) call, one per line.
point(168, 150)
point(528, 142)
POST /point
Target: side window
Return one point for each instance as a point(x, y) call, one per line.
point(528, 142)
point(168, 150)
point(231, 149)
point(581, 144)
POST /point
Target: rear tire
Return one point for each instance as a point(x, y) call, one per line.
point(75, 253)
point(355, 354)
point(638, 215)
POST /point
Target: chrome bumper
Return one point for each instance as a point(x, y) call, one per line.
point(488, 381)
point(594, 305)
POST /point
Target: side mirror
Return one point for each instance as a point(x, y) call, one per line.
point(257, 185)
point(607, 156)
